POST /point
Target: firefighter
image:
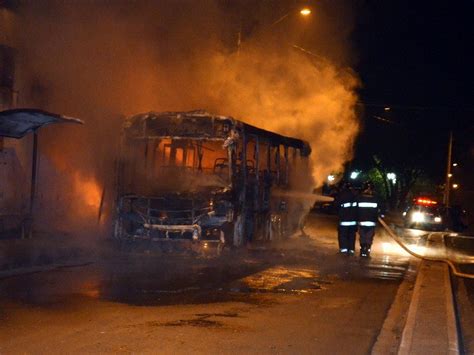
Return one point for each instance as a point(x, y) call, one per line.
point(367, 213)
point(346, 204)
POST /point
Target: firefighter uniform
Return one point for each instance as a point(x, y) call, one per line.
point(367, 213)
point(346, 203)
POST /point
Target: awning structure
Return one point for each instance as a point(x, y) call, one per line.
point(17, 123)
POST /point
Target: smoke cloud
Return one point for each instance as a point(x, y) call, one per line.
point(101, 60)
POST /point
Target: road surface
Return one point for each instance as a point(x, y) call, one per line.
point(298, 296)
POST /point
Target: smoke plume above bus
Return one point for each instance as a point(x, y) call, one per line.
point(100, 61)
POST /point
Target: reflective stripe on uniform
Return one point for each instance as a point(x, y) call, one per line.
point(368, 204)
point(354, 204)
point(367, 224)
point(345, 205)
point(348, 223)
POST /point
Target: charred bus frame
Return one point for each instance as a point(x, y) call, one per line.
point(252, 161)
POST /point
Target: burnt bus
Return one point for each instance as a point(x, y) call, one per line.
point(206, 180)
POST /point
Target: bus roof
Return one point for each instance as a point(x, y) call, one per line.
point(201, 125)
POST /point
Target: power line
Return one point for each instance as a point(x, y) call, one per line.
point(407, 107)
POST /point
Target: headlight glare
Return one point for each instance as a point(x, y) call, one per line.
point(418, 217)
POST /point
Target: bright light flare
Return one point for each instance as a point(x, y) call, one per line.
point(391, 248)
point(392, 177)
point(331, 178)
point(418, 249)
point(354, 175)
point(305, 11)
point(418, 217)
point(455, 186)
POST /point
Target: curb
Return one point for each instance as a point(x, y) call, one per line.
point(388, 340)
point(431, 314)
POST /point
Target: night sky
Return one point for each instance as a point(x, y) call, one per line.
point(416, 53)
point(416, 57)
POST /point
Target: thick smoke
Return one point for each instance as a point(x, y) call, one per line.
point(100, 61)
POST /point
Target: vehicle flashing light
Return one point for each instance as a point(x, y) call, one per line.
point(425, 201)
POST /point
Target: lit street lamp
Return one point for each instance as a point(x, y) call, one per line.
point(392, 177)
point(304, 12)
point(354, 175)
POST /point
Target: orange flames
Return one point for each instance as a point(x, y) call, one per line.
point(88, 192)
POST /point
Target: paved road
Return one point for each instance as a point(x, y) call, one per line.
point(299, 296)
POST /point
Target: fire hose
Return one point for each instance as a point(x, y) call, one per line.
point(397, 239)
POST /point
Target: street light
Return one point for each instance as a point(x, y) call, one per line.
point(392, 177)
point(455, 186)
point(305, 11)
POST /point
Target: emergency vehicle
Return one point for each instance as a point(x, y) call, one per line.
point(425, 213)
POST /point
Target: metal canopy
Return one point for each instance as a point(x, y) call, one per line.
point(19, 122)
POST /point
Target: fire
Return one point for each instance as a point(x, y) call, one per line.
point(87, 191)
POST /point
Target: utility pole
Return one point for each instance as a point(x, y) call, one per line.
point(447, 186)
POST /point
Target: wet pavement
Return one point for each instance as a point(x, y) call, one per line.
point(294, 296)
